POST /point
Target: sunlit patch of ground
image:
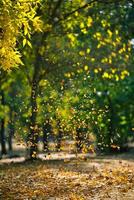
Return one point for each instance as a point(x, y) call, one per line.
point(95, 179)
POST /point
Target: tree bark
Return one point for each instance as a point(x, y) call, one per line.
point(59, 137)
point(46, 131)
point(11, 131)
point(79, 139)
point(33, 137)
point(2, 130)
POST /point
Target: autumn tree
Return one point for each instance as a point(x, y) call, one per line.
point(59, 19)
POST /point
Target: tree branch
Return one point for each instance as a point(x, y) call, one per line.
point(88, 4)
point(78, 9)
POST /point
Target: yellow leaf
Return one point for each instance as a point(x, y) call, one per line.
point(116, 32)
point(85, 67)
point(29, 43)
point(89, 21)
point(76, 14)
point(96, 71)
point(25, 31)
point(24, 42)
point(81, 53)
point(109, 33)
point(82, 25)
point(105, 75)
point(88, 50)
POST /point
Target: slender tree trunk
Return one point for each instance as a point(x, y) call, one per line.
point(46, 133)
point(2, 137)
point(59, 137)
point(33, 135)
point(2, 130)
point(79, 139)
point(33, 139)
point(111, 129)
point(11, 132)
point(45, 141)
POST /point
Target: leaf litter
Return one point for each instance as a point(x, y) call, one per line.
point(93, 179)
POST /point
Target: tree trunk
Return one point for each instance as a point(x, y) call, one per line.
point(79, 139)
point(46, 133)
point(59, 137)
point(11, 132)
point(2, 131)
point(111, 129)
point(45, 141)
point(2, 137)
point(33, 137)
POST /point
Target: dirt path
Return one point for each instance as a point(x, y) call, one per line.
point(93, 179)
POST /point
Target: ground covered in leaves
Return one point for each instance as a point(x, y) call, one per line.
point(95, 179)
